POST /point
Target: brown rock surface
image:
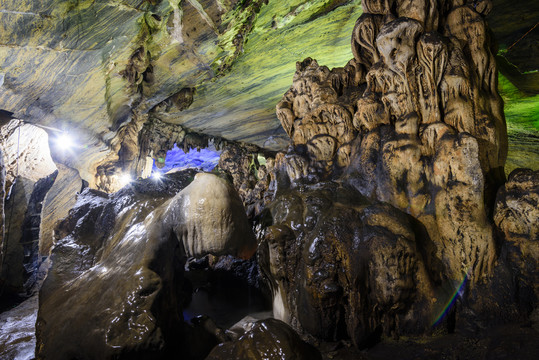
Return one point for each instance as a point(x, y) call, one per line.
point(25, 151)
point(414, 120)
point(115, 286)
point(341, 266)
point(268, 339)
point(12, 255)
point(61, 197)
point(517, 217)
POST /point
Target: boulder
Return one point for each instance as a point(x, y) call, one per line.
point(61, 197)
point(115, 288)
point(341, 266)
point(267, 339)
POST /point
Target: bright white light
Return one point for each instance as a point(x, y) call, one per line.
point(157, 175)
point(124, 179)
point(64, 141)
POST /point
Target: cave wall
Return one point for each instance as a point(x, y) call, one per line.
point(93, 67)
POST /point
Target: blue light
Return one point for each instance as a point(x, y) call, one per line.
point(204, 159)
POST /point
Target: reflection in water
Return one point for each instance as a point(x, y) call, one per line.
point(17, 331)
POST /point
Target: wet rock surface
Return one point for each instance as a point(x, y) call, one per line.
point(517, 218)
point(342, 266)
point(268, 339)
point(61, 197)
point(388, 218)
point(414, 120)
point(115, 286)
point(383, 209)
point(17, 331)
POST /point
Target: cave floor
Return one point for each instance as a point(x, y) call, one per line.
point(510, 341)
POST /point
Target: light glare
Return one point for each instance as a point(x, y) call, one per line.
point(64, 141)
point(157, 175)
point(125, 179)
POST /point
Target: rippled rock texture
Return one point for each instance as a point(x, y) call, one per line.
point(413, 133)
point(345, 267)
point(115, 286)
point(517, 217)
point(97, 67)
point(414, 120)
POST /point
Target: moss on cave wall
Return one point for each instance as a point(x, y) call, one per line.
point(86, 66)
point(65, 64)
point(522, 117)
point(241, 104)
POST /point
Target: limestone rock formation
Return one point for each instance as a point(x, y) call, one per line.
point(17, 331)
point(2, 203)
point(25, 151)
point(115, 286)
point(12, 274)
point(96, 68)
point(416, 122)
point(208, 218)
point(267, 339)
point(35, 269)
point(250, 177)
point(341, 266)
point(517, 217)
point(61, 197)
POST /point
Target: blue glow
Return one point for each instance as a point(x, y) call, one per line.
point(204, 159)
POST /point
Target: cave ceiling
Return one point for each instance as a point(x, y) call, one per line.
point(91, 66)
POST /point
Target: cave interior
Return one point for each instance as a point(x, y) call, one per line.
point(269, 179)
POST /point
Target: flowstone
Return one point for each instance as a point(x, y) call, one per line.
point(115, 288)
point(414, 121)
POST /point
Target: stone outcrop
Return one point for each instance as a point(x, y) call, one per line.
point(35, 269)
point(17, 331)
point(25, 151)
point(95, 69)
point(115, 285)
point(517, 218)
point(267, 339)
point(208, 218)
point(414, 120)
point(341, 266)
point(250, 177)
point(384, 200)
point(12, 255)
point(61, 197)
point(2, 203)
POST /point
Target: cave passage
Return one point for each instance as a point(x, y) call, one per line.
point(176, 158)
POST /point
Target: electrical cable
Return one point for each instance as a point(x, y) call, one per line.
point(523, 36)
